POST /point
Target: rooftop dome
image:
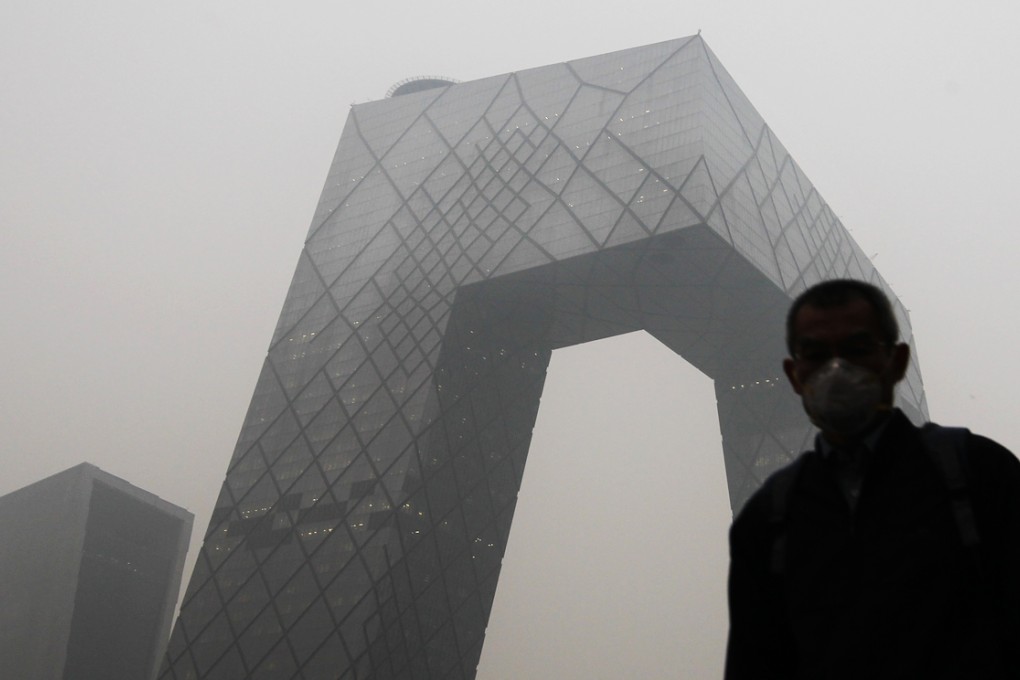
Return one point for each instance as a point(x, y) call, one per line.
point(419, 83)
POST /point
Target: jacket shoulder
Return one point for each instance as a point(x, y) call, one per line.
point(984, 457)
point(768, 505)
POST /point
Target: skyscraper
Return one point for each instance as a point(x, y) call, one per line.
point(91, 567)
point(464, 232)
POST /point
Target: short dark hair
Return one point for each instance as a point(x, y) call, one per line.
point(838, 292)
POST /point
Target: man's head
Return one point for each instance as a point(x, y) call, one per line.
point(845, 355)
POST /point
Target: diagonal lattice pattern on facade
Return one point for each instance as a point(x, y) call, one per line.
point(464, 233)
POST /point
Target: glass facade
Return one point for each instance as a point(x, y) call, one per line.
point(464, 232)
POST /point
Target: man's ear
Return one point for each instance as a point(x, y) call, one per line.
point(789, 368)
point(900, 361)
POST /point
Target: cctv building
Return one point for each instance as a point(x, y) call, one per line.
point(466, 231)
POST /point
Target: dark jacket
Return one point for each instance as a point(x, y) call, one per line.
point(887, 590)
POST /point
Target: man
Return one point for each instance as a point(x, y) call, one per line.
point(869, 557)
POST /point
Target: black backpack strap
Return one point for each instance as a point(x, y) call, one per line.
point(780, 490)
point(947, 449)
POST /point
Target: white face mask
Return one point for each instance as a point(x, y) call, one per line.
point(842, 398)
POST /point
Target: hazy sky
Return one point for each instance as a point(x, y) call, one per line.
point(160, 163)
